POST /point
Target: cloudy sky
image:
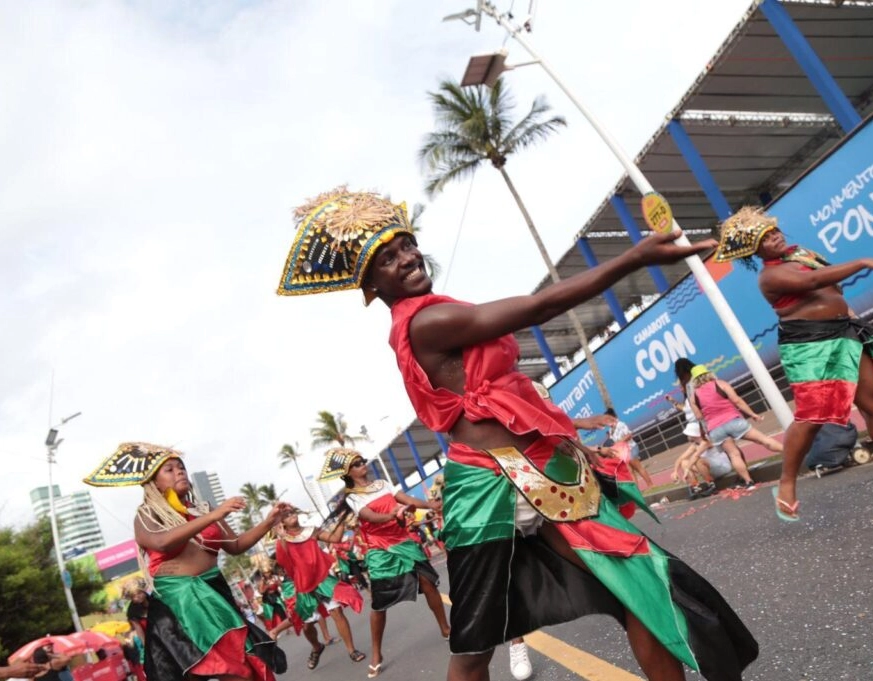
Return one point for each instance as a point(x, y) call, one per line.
point(151, 153)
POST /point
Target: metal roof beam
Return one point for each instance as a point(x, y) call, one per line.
point(757, 119)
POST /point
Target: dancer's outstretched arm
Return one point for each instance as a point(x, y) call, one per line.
point(447, 327)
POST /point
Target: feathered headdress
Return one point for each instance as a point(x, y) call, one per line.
point(742, 232)
point(337, 234)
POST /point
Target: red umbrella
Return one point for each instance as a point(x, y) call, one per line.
point(63, 645)
point(95, 639)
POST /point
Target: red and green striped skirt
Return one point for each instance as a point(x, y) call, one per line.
point(504, 584)
point(821, 359)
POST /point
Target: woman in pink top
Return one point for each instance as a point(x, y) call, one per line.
point(720, 412)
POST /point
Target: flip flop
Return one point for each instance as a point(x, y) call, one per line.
point(356, 656)
point(374, 670)
point(791, 515)
point(314, 657)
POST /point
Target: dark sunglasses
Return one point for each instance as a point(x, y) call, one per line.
point(358, 463)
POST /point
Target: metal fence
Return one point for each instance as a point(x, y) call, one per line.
point(667, 434)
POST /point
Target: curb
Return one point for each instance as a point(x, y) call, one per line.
point(760, 472)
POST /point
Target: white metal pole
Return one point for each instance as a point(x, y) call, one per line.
point(62, 570)
point(710, 288)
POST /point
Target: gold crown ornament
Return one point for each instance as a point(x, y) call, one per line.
point(133, 463)
point(742, 232)
point(338, 233)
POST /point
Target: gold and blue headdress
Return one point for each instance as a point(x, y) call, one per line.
point(742, 232)
point(338, 462)
point(338, 233)
point(133, 463)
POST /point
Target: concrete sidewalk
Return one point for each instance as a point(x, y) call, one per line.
point(661, 465)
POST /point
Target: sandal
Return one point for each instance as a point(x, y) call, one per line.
point(356, 655)
point(374, 670)
point(314, 657)
point(789, 515)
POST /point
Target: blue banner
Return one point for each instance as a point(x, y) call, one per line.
point(830, 210)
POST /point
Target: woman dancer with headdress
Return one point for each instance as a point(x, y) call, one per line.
point(270, 587)
point(195, 630)
point(507, 525)
point(396, 564)
point(308, 565)
point(825, 349)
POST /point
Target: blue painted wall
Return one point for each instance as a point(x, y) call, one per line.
point(829, 210)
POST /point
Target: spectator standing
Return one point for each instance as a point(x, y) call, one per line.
point(619, 432)
point(720, 411)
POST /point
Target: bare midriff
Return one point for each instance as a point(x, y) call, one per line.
point(193, 560)
point(823, 303)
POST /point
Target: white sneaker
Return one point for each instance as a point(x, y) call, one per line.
point(519, 663)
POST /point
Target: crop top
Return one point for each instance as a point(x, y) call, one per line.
point(493, 387)
point(209, 539)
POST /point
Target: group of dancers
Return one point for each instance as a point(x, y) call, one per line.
point(535, 523)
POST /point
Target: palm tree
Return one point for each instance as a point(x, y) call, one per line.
point(474, 125)
point(268, 494)
point(330, 429)
point(290, 454)
point(252, 494)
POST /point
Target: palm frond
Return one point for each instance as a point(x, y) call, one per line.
point(443, 176)
point(434, 269)
point(476, 124)
point(532, 129)
point(288, 454)
point(330, 429)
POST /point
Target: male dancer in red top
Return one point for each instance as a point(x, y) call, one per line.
point(509, 526)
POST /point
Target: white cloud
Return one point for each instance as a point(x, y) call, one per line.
point(152, 153)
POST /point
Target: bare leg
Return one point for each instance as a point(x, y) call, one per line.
point(864, 394)
point(312, 636)
point(798, 440)
point(730, 448)
point(469, 667)
point(755, 435)
point(435, 603)
point(704, 471)
point(325, 632)
point(342, 626)
point(654, 659)
point(377, 630)
point(637, 466)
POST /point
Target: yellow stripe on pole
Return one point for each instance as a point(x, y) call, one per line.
point(586, 665)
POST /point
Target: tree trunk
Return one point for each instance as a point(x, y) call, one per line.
point(571, 313)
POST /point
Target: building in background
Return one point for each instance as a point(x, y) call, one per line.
point(207, 487)
point(316, 491)
point(78, 528)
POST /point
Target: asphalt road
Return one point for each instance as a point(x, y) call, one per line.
point(804, 589)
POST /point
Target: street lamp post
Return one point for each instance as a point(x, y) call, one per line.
point(716, 298)
point(52, 443)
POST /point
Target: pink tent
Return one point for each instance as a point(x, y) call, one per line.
point(95, 639)
point(63, 645)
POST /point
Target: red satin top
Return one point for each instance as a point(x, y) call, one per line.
point(493, 388)
point(210, 540)
point(380, 535)
point(304, 562)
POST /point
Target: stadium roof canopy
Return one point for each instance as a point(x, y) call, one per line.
point(758, 123)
